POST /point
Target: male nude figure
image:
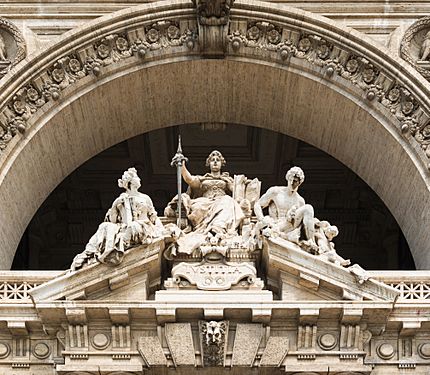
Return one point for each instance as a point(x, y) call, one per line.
point(288, 212)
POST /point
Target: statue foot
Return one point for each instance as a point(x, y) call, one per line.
point(345, 262)
point(310, 246)
point(267, 232)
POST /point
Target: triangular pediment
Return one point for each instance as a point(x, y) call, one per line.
point(297, 275)
point(132, 279)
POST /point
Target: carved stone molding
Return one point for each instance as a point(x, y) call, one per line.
point(213, 18)
point(413, 46)
point(284, 43)
point(279, 42)
point(214, 276)
point(12, 46)
point(71, 68)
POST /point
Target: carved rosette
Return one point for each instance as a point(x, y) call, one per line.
point(283, 44)
point(211, 32)
point(12, 46)
point(71, 68)
point(213, 341)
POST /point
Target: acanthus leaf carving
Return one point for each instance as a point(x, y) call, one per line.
point(283, 42)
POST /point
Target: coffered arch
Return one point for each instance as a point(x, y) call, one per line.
point(286, 70)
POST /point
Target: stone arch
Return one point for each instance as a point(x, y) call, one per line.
point(145, 68)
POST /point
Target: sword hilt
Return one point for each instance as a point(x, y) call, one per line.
point(179, 157)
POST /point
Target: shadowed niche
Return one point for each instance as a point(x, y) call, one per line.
point(368, 233)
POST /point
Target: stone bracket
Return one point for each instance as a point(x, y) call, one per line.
point(213, 18)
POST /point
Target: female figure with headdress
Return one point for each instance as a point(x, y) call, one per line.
point(132, 220)
point(209, 205)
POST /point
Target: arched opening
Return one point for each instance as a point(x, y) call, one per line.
point(172, 87)
point(369, 235)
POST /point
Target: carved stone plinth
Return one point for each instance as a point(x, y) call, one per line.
point(214, 276)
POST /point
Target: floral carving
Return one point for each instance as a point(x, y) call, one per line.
point(263, 35)
point(73, 67)
point(213, 12)
point(164, 34)
point(356, 69)
point(282, 42)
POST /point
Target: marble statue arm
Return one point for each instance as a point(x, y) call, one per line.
point(152, 214)
point(192, 181)
point(112, 214)
point(263, 202)
point(230, 186)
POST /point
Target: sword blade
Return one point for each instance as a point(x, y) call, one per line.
point(179, 180)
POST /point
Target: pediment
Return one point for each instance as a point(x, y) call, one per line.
point(132, 279)
point(291, 272)
point(297, 275)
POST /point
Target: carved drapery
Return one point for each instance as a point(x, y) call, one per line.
point(33, 95)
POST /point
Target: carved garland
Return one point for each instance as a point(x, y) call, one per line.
point(405, 45)
point(358, 70)
point(21, 49)
point(251, 39)
point(77, 65)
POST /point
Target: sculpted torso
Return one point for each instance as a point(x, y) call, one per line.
point(141, 208)
point(212, 188)
point(280, 201)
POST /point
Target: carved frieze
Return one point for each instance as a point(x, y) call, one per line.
point(69, 69)
point(264, 39)
point(214, 276)
point(359, 70)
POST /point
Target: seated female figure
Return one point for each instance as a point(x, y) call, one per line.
point(132, 220)
point(209, 206)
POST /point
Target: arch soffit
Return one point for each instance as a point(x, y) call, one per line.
point(163, 32)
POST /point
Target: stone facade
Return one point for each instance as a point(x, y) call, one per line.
point(261, 303)
point(109, 320)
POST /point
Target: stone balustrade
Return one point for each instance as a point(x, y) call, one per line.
point(15, 285)
point(414, 286)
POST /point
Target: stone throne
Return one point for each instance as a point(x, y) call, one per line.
point(212, 262)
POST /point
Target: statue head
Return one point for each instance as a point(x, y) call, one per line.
point(215, 161)
point(129, 180)
point(295, 177)
point(214, 332)
point(331, 232)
